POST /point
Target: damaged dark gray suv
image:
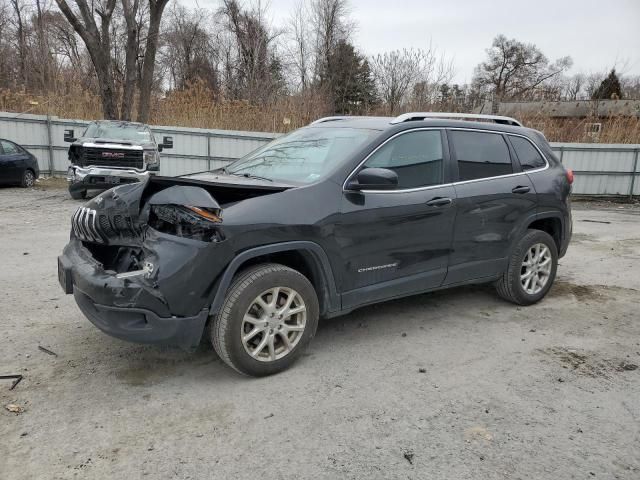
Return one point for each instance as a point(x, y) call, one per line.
point(346, 212)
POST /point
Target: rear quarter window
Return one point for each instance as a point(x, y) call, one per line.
point(528, 155)
point(480, 154)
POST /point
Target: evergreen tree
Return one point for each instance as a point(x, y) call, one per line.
point(350, 83)
point(609, 88)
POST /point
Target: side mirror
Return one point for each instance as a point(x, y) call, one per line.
point(374, 179)
point(68, 136)
point(167, 142)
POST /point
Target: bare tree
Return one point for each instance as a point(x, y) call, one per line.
point(189, 52)
point(252, 68)
point(514, 69)
point(18, 9)
point(156, 9)
point(299, 47)
point(97, 38)
point(130, 12)
point(331, 25)
point(401, 72)
point(94, 24)
point(574, 86)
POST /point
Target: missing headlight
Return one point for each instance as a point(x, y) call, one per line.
point(188, 222)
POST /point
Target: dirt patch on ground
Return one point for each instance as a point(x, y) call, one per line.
point(581, 292)
point(51, 183)
point(590, 364)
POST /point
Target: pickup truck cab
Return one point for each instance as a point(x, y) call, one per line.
point(111, 153)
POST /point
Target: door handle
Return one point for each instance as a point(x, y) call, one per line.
point(521, 189)
point(439, 202)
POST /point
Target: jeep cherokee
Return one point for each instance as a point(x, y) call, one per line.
point(346, 212)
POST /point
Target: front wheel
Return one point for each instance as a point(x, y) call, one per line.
point(269, 316)
point(531, 270)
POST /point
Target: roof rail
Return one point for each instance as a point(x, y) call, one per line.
point(329, 119)
point(405, 117)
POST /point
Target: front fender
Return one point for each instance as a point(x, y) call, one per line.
point(321, 263)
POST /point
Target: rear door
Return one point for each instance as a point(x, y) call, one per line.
point(396, 242)
point(494, 198)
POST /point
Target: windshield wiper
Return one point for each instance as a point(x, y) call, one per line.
point(248, 175)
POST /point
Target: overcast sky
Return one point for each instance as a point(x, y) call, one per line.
point(596, 34)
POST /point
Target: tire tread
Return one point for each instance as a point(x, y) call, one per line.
point(220, 323)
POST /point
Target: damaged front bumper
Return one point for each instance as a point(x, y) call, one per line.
point(130, 308)
point(102, 178)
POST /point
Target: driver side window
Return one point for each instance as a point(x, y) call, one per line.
point(416, 157)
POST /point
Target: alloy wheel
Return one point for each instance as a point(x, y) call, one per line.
point(536, 268)
point(273, 324)
point(29, 179)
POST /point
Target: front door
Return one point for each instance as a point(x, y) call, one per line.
point(494, 197)
point(397, 242)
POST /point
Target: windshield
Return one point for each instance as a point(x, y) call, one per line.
point(302, 156)
point(120, 131)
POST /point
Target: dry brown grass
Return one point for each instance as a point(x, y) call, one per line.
point(200, 108)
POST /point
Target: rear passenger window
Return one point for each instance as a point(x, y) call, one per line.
point(480, 155)
point(416, 157)
point(528, 155)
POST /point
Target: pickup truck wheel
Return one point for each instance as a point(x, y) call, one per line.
point(78, 194)
point(269, 315)
point(531, 270)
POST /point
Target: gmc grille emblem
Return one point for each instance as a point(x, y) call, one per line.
point(113, 154)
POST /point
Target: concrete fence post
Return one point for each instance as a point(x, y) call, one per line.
point(634, 173)
point(208, 151)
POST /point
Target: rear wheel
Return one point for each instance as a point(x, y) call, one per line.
point(531, 270)
point(28, 179)
point(78, 194)
point(268, 317)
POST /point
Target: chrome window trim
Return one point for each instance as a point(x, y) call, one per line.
point(430, 187)
point(344, 184)
point(546, 160)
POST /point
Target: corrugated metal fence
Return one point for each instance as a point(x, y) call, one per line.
point(601, 169)
point(194, 149)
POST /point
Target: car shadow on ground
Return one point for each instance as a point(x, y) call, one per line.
point(144, 365)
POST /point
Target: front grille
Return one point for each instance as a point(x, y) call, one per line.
point(91, 226)
point(85, 226)
point(111, 157)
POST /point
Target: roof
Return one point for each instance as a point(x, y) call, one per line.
point(427, 118)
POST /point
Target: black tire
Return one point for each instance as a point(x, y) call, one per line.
point(510, 286)
point(227, 326)
point(28, 179)
point(78, 194)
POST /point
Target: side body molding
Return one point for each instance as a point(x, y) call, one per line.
point(329, 297)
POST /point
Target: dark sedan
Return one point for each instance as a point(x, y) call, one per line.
point(17, 166)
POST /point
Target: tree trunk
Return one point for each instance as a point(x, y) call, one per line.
point(98, 43)
point(156, 7)
point(131, 55)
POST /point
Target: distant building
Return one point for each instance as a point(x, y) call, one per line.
point(567, 109)
point(609, 121)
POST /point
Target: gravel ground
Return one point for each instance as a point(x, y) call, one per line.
point(454, 385)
